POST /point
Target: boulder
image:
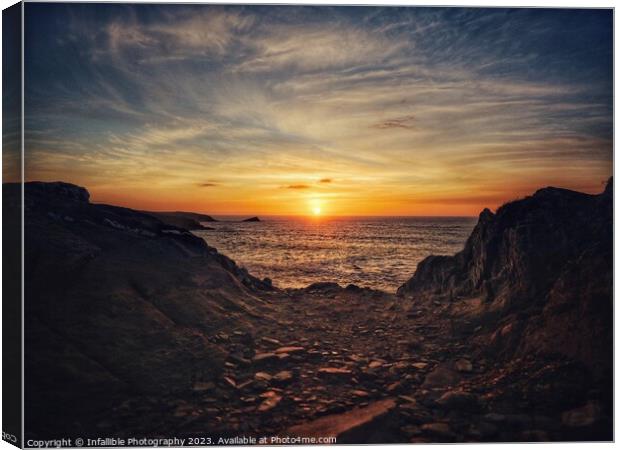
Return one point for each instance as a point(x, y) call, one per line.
point(459, 400)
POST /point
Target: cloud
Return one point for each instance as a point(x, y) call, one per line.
point(207, 184)
point(395, 99)
point(178, 35)
point(323, 45)
point(397, 122)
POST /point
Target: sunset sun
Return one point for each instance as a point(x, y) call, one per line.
point(315, 206)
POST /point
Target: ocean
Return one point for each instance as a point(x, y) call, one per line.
point(376, 252)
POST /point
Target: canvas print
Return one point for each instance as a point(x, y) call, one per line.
point(233, 224)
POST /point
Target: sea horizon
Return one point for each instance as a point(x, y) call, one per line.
point(378, 252)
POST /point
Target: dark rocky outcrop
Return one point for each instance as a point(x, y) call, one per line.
point(119, 303)
point(533, 278)
point(187, 220)
point(139, 328)
point(251, 219)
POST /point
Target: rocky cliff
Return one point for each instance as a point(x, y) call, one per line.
point(533, 278)
point(181, 219)
point(119, 302)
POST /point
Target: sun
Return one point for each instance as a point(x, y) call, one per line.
point(315, 206)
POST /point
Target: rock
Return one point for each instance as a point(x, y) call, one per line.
point(441, 376)
point(407, 398)
point(283, 377)
point(353, 288)
point(375, 364)
point(439, 430)
point(463, 365)
point(245, 384)
point(334, 371)
point(239, 360)
point(549, 257)
point(270, 402)
point(61, 189)
point(399, 367)
point(324, 286)
point(352, 427)
point(359, 393)
point(262, 376)
point(582, 416)
point(251, 219)
point(155, 301)
point(289, 350)
point(420, 365)
point(411, 430)
point(265, 358)
point(230, 381)
point(459, 400)
point(269, 340)
point(201, 386)
point(272, 393)
point(394, 387)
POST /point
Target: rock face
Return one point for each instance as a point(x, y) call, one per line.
point(118, 302)
point(190, 215)
point(535, 277)
point(187, 220)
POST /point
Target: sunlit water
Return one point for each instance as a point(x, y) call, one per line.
point(376, 252)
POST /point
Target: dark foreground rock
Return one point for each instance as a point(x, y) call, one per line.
point(186, 220)
point(534, 281)
point(118, 303)
point(536, 276)
point(366, 424)
point(141, 329)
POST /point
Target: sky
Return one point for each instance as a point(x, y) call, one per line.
point(291, 110)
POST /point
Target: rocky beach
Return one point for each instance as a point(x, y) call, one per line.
point(142, 329)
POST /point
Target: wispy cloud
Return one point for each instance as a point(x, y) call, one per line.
point(154, 99)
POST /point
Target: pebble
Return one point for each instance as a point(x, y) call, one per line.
point(439, 429)
point(269, 403)
point(463, 365)
point(262, 376)
point(327, 371)
point(581, 417)
point(290, 349)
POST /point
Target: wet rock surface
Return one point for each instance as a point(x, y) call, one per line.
point(188, 348)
